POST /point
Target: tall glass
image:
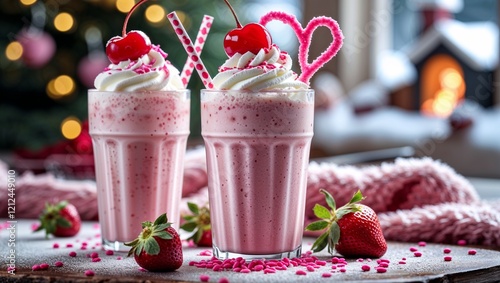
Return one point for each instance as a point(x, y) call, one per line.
point(139, 141)
point(257, 146)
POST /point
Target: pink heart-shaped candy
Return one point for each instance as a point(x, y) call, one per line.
point(304, 36)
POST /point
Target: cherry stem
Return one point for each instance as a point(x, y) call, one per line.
point(238, 24)
point(124, 31)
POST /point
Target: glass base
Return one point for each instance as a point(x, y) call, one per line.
point(115, 246)
point(226, 254)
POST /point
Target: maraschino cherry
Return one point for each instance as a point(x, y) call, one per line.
point(130, 45)
point(249, 38)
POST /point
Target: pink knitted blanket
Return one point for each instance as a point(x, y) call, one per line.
point(415, 199)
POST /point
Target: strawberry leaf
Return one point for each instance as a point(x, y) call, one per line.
point(151, 246)
point(333, 236)
point(329, 199)
point(316, 226)
point(161, 227)
point(62, 222)
point(357, 197)
point(161, 219)
point(189, 226)
point(146, 224)
point(320, 243)
point(322, 212)
point(193, 207)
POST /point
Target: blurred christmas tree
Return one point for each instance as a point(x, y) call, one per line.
point(52, 50)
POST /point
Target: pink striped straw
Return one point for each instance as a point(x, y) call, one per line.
point(201, 38)
point(190, 49)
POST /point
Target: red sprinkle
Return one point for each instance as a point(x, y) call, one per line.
point(59, 264)
point(69, 245)
point(413, 249)
point(422, 243)
point(300, 272)
point(72, 254)
point(381, 269)
point(204, 278)
point(417, 254)
point(472, 252)
point(326, 275)
point(44, 266)
point(365, 267)
point(402, 262)
point(35, 267)
point(96, 259)
point(462, 242)
point(223, 280)
point(55, 245)
point(89, 272)
point(447, 258)
point(119, 258)
point(94, 255)
point(384, 264)
point(110, 252)
point(446, 250)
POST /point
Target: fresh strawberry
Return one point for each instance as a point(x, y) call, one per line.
point(158, 247)
point(61, 220)
point(199, 224)
point(353, 230)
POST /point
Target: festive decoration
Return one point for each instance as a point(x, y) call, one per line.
point(62, 41)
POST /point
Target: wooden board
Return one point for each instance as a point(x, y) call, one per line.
point(32, 248)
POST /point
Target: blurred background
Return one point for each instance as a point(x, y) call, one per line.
point(414, 77)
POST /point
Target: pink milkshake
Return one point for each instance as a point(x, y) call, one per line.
point(139, 144)
point(257, 147)
point(139, 124)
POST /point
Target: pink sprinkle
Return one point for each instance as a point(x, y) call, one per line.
point(300, 272)
point(446, 250)
point(223, 280)
point(381, 270)
point(119, 258)
point(417, 254)
point(334, 267)
point(462, 242)
point(35, 267)
point(385, 260)
point(447, 258)
point(94, 255)
point(84, 243)
point(55, 245)
point(326, 275)
point(204, 278)
point(96, 259)
point(360, 260)
point(422, 243)
point(205, 253)
point(110, 252)
point(69, 245)
point(343, 270)
point(321, 262)
point(89, 272)
point(44, 266)
point(335, 260)
point(402, 262)
point(245, 270)
point(72, 254)
point(413, 249)
point(58, 264)
point(365, 267)
point(310, 268)
point(472, 252)
point(384, 264)
point(269, 270)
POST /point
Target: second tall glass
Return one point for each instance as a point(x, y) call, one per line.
point(139, 141)
point(257, 146)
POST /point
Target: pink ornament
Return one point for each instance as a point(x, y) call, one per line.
point(38, 47)
point(90, 66)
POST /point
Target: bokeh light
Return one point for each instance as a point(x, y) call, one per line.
point(14, 51)
point(64, 22)
point(71, 127)
point(155, 13)
point(27, 2)
point(124, 5)
point(60, 87)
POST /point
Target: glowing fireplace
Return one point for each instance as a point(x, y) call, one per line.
point(442, 86)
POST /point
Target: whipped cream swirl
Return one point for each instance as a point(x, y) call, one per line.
point(270, 69)
point(149, 72)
